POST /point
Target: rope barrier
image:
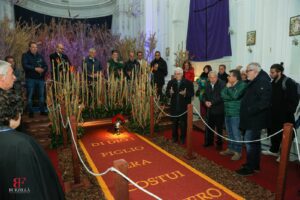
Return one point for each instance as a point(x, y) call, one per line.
point(297, 144)
point(228, 139)
point(111, 169)
point(167, 113)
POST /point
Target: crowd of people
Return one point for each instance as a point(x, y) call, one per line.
point(246, 102)
point(242, 102)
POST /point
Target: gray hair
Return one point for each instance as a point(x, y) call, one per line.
point(4, 66)
point(214, 73)
point(178, 70)
point(92, 50)
point(254, 65)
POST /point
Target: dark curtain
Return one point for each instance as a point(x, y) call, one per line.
point(207, 36)
point(28, 16)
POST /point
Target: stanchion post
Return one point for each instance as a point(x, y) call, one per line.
point(84, 183)
point(284, 157)
point(189, 155)
point(76, 168)
point(151, 116)
point(64, 130)
point(121, 184)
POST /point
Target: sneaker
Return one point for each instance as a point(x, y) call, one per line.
point(227, 152)
point(269, 153)
point(244, 171)
point(236, 156)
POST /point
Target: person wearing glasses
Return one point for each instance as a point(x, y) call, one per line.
point(254, 115)
point(159, 70)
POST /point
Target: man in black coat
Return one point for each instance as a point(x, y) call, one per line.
point(131, 66)
point(59, 62)
point(35, 69)
point(91, 65)
point(222, 73)
point(181, 92)
point(159, 70)
point(25, 169)
point(215, 109)
point(284, 104)
point(254, 114)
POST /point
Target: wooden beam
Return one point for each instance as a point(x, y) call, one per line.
point(287, 137)
point(121, 184)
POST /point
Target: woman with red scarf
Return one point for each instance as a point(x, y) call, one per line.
point(188, 71)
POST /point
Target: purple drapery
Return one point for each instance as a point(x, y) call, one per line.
point(207, 36)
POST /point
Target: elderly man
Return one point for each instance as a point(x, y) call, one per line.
point(35, 69)
point(215, 109)
point(25, 170)
point(181, 92)
point(91, 64)
point(254, 114)
point(59, 61)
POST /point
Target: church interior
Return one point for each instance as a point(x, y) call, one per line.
point(150, 99)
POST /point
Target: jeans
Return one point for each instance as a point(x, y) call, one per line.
point(232, 127)
point(253, 149)
point(31, 84)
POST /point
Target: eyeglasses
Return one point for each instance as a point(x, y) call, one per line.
point(249, 70)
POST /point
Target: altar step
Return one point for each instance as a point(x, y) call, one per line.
point(39, 128)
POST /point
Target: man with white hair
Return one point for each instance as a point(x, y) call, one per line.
point(7, 77)
point(181, 92)
point(215, 109)
point(254, 114)
point(91, 64)
point(25, 169)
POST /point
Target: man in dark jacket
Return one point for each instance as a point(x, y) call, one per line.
point(91, 65)
point(222, 73)
point(35, 69)
point(284, 105)
point(215, 109)
point(181, 92)
point(159, 70)
point(131, 66)
point(25, 169)
point(254, 114)
point(59, 62)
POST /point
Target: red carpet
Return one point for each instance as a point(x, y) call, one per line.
point(149, 166)
point(267, 177)
point(53, 156)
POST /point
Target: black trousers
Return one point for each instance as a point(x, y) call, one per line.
point(182, 122)
point(215, 122)
point(276, 139)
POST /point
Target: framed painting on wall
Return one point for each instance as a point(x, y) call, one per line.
point(294, 25)
point(251, 38)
